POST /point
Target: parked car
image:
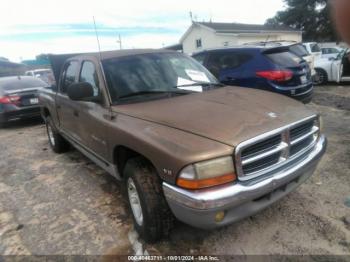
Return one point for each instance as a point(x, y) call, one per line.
point(331, 52)
point(44, 74)
point(274, 69)
point(19, 98)
point(333, 69)
point(294, 47)
point(182, 143)
point(313, 48)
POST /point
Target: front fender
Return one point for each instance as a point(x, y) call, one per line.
point(169, 149)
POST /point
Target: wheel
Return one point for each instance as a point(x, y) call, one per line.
point(56, 141)
point(151, 214)
point(321, 77)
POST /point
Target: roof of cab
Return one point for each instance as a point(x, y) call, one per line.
point(120, 53)
point(57, 61)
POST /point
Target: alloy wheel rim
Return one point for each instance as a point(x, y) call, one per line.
point(135, 202)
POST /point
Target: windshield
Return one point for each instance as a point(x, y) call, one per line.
point(155, 72)
point(315, 48)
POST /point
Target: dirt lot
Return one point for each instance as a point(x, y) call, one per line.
point(64, 204)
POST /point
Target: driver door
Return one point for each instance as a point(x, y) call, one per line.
point(94, 115)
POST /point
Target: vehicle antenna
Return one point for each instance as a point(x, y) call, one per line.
point(98, 41)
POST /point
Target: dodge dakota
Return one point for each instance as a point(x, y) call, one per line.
point(185, 146)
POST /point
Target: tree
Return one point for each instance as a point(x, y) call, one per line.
point(313, 17)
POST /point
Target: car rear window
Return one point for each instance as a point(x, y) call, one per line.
point(299, 50)
point(20, 83)
point(284, 58)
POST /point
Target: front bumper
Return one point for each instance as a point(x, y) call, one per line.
point(242, 199)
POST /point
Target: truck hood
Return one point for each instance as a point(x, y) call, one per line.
point(228, 115)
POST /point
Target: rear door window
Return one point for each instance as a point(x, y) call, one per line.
point(285, 59)
point(227, 60)
point(69, 75)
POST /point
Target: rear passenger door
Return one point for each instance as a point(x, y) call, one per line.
point(68, 110)
point(228, 66)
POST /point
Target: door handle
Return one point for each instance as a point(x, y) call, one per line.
point(76, 113)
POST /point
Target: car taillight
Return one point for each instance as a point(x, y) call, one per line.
point(9, 99)
point(276, 75)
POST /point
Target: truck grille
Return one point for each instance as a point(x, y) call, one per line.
point(275, 150)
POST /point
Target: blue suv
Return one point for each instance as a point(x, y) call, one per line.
point(273, 69)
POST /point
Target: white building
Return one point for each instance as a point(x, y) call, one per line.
point(205, 35)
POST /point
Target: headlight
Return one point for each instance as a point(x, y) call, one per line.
point(207, 174)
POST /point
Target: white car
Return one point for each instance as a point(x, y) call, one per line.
point(314, 49)
point(44, 74)
point(333, 69)
point(333, 52)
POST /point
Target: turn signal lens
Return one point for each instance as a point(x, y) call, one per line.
point(207, 174)
point(205, 183)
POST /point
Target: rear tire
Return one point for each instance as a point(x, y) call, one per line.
point(57, 142)
point(151, 214)
point(321, 77)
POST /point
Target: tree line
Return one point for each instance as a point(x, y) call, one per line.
point(313, 17)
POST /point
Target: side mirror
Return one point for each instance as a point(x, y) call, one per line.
point(331, 58)
point(80, 91)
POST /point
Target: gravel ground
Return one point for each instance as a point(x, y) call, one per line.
point(64, 204)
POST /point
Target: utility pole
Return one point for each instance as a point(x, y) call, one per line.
point(119, 41)
point(191, 16)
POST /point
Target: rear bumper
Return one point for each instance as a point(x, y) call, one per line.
point(301, 93)
point(19, 113)
point(240, 200)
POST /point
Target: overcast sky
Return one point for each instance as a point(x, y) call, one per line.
point(28, 28)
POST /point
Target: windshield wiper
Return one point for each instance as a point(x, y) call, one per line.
point(155, 92)
point(200, 84)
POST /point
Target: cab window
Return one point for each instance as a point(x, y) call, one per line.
point(89, 74)
point(69, 75)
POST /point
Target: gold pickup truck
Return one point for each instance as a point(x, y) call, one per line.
point(184, 145)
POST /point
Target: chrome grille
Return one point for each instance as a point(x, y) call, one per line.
point(277, 149)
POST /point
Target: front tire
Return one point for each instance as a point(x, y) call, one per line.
point(57, 143)
point(321, 77)
point(151, 214)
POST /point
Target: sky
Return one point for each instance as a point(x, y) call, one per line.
point(29, 28)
